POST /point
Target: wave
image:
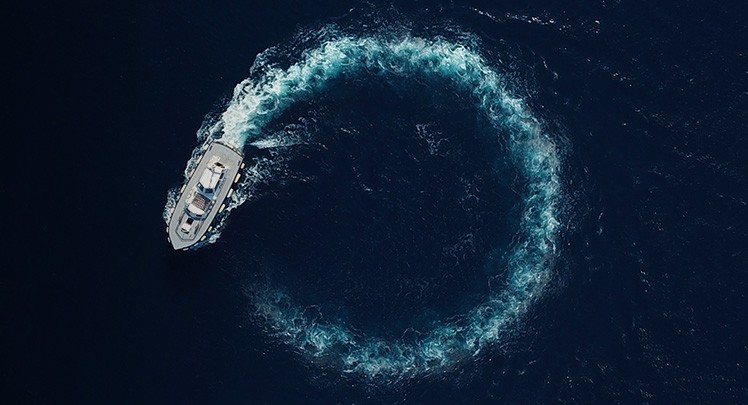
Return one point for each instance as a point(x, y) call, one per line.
point(257, 101)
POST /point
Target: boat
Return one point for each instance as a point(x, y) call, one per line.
point(204, 196)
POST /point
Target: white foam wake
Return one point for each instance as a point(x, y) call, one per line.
point(257, 101)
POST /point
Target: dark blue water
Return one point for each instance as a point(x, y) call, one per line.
point(401, 238)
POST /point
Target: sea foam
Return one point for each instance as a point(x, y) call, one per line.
point(257, 101)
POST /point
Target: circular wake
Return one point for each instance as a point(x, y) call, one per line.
point(257, 101)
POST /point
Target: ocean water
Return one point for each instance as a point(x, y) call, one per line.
point(442, 203)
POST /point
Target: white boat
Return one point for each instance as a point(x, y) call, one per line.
point(203, 195)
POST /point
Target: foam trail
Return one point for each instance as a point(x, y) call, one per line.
point(256, 102)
